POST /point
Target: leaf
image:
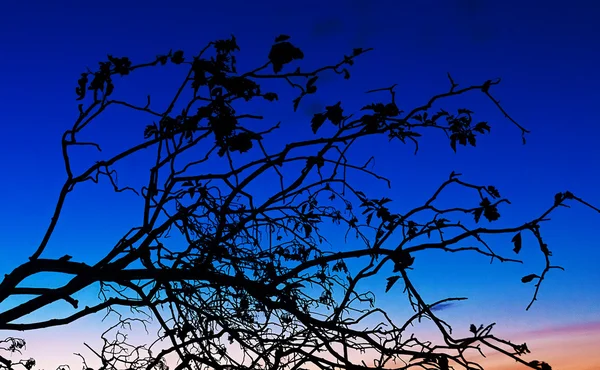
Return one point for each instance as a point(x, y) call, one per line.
point(558, 198)
point(312, 81)
point(122, 65)
point(177, 57)
point(81, 86)
point(453, 142)
point(375, 107)
point(150, 131)
point(307, 230)
point(335, 113)
point(391, 110)
point(357, 51)
point(317, 121)
point(283, 53)
point(385, 200)
point(227, 47)
point(522, 349)
point(490, 212)
point(477, 214)
point(493, 191)
point(402, 259)
point(390, 282)
point(517, 242)
point(472, 139)
point(109, 88)
point(340, 266)
point(473, 329)
point(486, 86)
point(529, 278)
point(439, 114)
point(296, 102)
point(281, 38)
point(412, 134)
point(370, 122)
point(482, 127)
point(270, 96)
point(241, 142)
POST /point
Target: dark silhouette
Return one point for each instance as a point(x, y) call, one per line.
point(255, 274)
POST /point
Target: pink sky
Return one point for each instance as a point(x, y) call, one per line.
point(573, 347)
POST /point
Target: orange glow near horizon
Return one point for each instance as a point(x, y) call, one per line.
point(573, 347)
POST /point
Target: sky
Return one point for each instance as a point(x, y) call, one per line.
point(545, 52)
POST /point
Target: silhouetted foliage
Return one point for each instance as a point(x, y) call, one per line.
point(256, 274)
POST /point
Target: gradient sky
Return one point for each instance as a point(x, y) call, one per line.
point(546, 52)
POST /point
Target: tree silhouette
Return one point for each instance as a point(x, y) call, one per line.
point(255, 284)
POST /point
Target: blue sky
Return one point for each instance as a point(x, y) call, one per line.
point(545, 52)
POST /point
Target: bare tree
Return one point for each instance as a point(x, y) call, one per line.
point(255, 284)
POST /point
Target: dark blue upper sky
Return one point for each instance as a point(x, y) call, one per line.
point(546, 52)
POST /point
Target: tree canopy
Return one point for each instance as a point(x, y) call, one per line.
point(279, 237)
